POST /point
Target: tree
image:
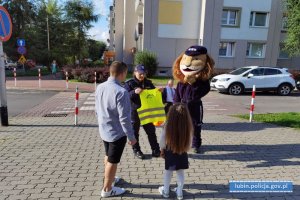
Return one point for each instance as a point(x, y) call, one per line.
point(79, 14)
point(23, 15)
point(96, 49)
point(292, 43)
point(67, 26)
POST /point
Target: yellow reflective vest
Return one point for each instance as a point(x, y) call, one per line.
point(152, 109)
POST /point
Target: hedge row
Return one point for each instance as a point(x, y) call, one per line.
point(84, 74)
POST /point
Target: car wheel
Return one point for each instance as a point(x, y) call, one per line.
point(235, 89)
point(284, 89)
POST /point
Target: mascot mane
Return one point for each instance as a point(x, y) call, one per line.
point(204, 74)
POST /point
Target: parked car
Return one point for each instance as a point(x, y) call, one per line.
point(264, 79)
point(9, 64)
point(29, 64)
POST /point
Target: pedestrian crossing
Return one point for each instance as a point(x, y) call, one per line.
point(89, 104)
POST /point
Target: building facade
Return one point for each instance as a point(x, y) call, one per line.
point(236, 33)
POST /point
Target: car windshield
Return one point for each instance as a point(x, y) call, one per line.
point(239, 71)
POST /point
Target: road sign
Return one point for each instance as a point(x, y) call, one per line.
point(22, 59)
point(5, 25)
point(21, 42)
point(22, 50)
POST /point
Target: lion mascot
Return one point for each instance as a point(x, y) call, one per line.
point(192, 69)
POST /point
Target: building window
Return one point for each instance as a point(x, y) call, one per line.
point(282, 53)
point(259, 19)
point(230, 17)
point(256, 50)
point(226, 49)
point(284, 22)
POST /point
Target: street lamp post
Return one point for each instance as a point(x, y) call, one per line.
point(48, 37)
point(48, 34)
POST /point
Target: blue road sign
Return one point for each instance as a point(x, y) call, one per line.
point(21, 42)
point(5, 25)
point(22, 50)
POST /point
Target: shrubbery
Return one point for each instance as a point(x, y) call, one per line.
point(296, 74)
point(148, 59)
point(84, 74)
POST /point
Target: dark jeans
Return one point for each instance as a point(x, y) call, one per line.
point(196, 111)
point(149, 129)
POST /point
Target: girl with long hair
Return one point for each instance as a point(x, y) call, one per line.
point(175, 141)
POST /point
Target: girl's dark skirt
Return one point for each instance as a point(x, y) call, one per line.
point(174, 161)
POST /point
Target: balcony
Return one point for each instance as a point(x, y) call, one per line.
point(139, 8)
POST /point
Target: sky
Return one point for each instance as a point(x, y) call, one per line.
point(99, 31)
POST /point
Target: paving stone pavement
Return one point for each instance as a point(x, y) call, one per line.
point(50, 158)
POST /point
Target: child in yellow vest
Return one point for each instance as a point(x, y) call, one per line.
point(174, 143)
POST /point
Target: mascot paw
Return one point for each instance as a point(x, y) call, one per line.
point(190, 79)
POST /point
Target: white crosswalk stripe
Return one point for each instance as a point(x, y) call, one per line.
point(87, 108)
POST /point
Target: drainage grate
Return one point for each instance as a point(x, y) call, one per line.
point(55, 115)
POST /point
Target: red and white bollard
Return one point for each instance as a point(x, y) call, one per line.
point(252, 104)
point(15, 76)
point(76, 106)
point(95, 81)
point(67, 80)
point(39, 78)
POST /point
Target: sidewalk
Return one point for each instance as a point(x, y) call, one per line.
point(47, 83)
point(49, 158)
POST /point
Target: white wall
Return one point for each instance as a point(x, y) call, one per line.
point(244, 32)
point(189, 29)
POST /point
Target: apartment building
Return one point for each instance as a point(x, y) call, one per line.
point(236, 32)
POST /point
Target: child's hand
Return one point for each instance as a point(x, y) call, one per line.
point(138, 90)
point(162, 153)
point(161, 89)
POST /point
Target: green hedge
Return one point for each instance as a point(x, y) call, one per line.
point(148, 59)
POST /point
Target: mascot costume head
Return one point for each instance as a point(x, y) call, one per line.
point(192, 65)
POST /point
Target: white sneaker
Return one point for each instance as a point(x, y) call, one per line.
point(116, 181)
point(162, 191)
point(115, 191)
point(179, 193)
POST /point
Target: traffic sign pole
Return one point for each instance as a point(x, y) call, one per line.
point(4, 114)
point(5, 34)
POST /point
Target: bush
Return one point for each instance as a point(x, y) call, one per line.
point(87, 75)
point(296, 74)
point(148, 59)
point(98, 63)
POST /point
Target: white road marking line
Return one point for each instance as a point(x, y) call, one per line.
point(215, 109)
point(68, 108)
point(59, 112)
point(89, 102)
point(87, 108)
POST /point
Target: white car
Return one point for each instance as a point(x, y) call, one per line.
point(264, 79)
point(9, 64)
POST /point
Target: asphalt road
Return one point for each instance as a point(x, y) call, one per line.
point(18, 101)
point(218, 103)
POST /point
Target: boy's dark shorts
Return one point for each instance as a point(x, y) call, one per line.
point(114, 150)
